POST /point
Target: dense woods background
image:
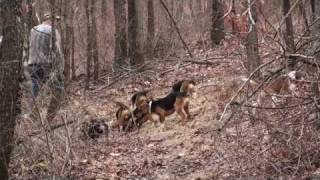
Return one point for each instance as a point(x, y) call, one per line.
point(115, 48)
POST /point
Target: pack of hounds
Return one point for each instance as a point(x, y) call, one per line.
point(144, 108)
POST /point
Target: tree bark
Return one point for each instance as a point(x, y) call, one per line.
point(217, 30)
point(10, 68)
point(288, 34)
point(104, 9)
point(94, 50)
point(120, 50)
point(104, 29)
point(73, 68)
point(233, 14)
point(316, 32)
point(303, 13)
point(151, 30)
point(135, 33)
point(252, 47)
point(315, 49)
point(89, 43)
point(68, 15)
point(312, 4)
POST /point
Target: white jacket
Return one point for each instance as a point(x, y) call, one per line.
point(41, 51)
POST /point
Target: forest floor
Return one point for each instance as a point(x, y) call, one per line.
point(173, 150)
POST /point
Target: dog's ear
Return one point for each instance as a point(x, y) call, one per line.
point(184, 86)
point(177, 86)
point(193, 82)
point(187, 86)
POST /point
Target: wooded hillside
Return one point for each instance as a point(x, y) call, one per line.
point(247, 70)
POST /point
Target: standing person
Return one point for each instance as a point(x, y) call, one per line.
point(46, 63)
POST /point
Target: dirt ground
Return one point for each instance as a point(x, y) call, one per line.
point(173, 150)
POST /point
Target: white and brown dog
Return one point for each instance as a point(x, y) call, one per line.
point(285, 84)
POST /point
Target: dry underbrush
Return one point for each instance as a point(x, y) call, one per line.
point(281, 141)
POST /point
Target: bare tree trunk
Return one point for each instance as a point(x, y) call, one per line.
point(288, 34)
point(104, 8)
point(54, 24)
point(73, 68)
point(197, 7)
point(120, 50)
point(217, 31)
point(95, 50)
point(135, 32)
point(72, 45)
point(104, 29)
point(32, 15)
point(316, 31)
point(304, 16)
point(151, 30)
point(179, 11)
point(67, 38)
point(89, 43)
point(233, 13)
point(251, 43)
point(315, 49)
point(190, 2)
point(10, 68)
point(30, 21)
point(312, 4)
point(171, 7)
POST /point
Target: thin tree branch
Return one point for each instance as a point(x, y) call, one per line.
point(238, 92)
point(176, 28)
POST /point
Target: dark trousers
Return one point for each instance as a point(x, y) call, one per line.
point(39, 74)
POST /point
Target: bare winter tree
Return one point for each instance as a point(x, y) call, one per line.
point(72, 56)
point(303, 14)
point(312, 4)
point(217, 31)
point(120, 50)
point(252, 46)
point(104, 20)
point(94, 50)
point(135, 33)
point(103, 7)
point(316, 31)
point(68, 15)
point(92, 45)
point(151, 28)
point(89, 43)
point(10, 67)
point(288, 33)
point(233, 13)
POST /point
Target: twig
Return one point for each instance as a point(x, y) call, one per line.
point(46, 133)
point(205, 62)
point(176, 27)
point(227, 13)
point(284, 107)
point(68, 145)
point(113, 82)
point(52, 128)
point(250, 14)
point(238, 92)
point(286, 16)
